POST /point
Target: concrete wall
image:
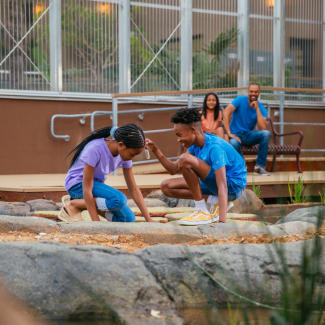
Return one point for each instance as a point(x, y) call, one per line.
point(27, 146)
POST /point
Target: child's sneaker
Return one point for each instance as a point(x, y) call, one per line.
point(198, 217)
point(214, 211)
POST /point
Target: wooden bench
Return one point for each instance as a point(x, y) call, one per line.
point(277, 149)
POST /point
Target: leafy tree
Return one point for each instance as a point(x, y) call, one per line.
point(208, 71)
point(95, 46)
point(17, 16)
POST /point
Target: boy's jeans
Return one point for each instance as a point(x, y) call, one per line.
point(249, 138)
point(114, 199)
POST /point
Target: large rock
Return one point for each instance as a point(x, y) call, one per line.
point(67, 282)
point(149, 203)
point(62, 281)
point(247, 203)
point(311, 215)
point(185, 203)
point(253, 271)
point(43, 205)
point(158, 194)
point(14, 208)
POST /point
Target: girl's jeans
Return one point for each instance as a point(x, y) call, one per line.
point(114, 199)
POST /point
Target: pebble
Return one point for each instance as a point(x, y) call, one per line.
point(115, 238)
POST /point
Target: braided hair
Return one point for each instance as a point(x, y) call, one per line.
point(130, 134)
point(205, 107)
point(186, 116)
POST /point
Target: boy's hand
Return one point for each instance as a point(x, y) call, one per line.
point(151, 145)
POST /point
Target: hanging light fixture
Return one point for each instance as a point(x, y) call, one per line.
point(104, 8)
point(270, 3)
point(38, 9)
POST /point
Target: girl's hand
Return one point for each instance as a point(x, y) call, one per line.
point(151, 145)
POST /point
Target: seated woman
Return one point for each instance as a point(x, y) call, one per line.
point(211, 118)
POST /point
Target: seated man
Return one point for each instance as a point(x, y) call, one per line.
point(211, 166)
point(245, 112)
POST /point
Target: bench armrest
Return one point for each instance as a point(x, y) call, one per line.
point(277, 134)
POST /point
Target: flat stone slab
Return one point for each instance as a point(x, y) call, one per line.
point(32, 224)
point(239, 216)
point(154, 233)
point(151, 233)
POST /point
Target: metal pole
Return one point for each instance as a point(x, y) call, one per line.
point(55, 46)
point(124, 46)
point(114, 111)
point(281, 117)
point(190, 100)
point(186, 44)
point(114, 118)
point(323, 56)
point(243, 43)
point(279, 43)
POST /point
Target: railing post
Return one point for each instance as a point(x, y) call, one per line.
point(114, 118)
point(279, 44)
point(55, 46)
point(124, 46)
point(281, 117)
point(186, 45)
point(323, 56)
point(114, 111)
point(243, 43)
point(189, 100)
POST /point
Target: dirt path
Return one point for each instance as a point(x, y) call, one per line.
point(131, 243)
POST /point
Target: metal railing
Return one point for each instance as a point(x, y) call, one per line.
point(271, 97)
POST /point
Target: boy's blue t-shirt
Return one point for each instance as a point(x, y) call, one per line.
point(217, 153)
point(244, 117)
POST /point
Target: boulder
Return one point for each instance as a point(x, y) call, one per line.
point(247, 203)
point(185, 203)
point(251, 270)
point(43, 205)
point(14, 208)
point(158, 194)
point(149, 203)
point(298, 228)
point(70, 282)
point(306, 215)
point(150, 286)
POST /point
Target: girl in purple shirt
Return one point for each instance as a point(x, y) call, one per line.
point(96, 157)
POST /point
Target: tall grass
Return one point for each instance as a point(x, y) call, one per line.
point(296, 194)
point(256, 189)
point(301, 300)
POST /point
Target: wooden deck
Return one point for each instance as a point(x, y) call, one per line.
point(51, 186)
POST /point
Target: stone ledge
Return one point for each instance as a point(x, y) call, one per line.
point(152, 233)
point(32, 224)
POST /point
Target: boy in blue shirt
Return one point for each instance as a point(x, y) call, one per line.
point(210, 167)
point(245, 112)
